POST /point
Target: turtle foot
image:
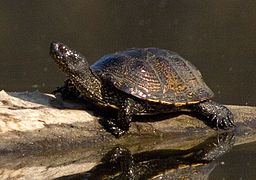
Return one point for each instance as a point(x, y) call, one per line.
point(67, 91)
point(111, 127)
point(215, 114)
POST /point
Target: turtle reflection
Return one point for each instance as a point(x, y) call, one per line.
point(195, 163)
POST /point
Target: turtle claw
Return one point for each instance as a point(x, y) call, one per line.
point(224, 124)
point(116, 131)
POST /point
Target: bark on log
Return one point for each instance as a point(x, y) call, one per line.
point(34, 125)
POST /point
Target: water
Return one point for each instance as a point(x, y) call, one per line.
point(217, 36)
point(239, 163)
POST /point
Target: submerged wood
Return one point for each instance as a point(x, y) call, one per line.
point(48, 137)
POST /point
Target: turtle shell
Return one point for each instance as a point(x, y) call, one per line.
point(153, 74)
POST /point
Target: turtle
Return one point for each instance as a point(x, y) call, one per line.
point(140, 81)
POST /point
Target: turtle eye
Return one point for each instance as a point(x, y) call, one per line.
point(62, 49)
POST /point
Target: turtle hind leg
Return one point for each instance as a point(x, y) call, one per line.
point(215, 114)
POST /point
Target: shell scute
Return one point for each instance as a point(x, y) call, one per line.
point(153, 74)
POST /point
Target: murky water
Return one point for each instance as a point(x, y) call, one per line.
point(239, 163)
point(217, 36)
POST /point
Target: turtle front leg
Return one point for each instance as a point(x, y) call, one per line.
point(121, 124)
point(215, 114)
point(67, 91)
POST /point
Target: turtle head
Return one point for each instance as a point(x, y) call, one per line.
point(77, 68)
point(69, 61)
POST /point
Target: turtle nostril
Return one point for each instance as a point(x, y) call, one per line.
point(54, 46)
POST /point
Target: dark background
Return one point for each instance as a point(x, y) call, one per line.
point(219, 37)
